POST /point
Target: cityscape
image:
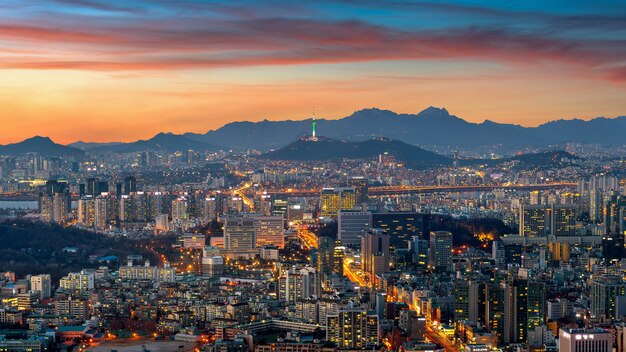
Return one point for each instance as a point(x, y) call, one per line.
point(126, 227)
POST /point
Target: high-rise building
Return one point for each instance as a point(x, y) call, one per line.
point(325, 250)
point(536, 305)
point(55, 202)
point(87, 211)
point(352, 329)
point(335, 199)
point(179, 209)
point(359, 183)
point(130, 184)
point(375, 253)
point(515, 312)
point(82, 281)
point(544, 220)
point(400, 226)
point(604, 293)
point(440, 250)
point(269, 230)
point(239, 233)
point(42, 284)
point(469, 301)
point(352, 226)
point(299, 283)
point(338, 256)
point(585, 340)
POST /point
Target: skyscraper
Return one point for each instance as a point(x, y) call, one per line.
point(130, 184)
point(359, 183)
point(375, 253)
point(440, 250)
point(335, 199)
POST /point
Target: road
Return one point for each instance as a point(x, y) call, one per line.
point(352, 275)
point(435, 337)
point(246, 200)
point(308, 238)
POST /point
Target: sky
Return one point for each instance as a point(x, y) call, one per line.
point(102, 70)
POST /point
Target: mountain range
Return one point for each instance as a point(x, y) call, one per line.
point(430, 127)
point(41, 145)
point(167, 142)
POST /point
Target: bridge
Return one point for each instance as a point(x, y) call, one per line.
point(403, 190)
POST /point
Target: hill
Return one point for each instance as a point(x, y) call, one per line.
point(331, 149)
point(41, 145)
point(167, 142)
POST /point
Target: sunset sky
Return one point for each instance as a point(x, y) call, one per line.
point(113, 70)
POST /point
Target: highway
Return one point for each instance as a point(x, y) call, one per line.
point(353, 275)
point(246, 200)
point(308, 238)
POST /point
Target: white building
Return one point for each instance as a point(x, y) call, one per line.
point(585, 340)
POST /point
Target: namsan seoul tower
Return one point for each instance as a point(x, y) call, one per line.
point(313, 125)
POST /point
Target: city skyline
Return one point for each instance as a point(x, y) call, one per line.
point(90, 70)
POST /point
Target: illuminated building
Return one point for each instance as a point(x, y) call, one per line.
point(239, 233)
point(440, 250)
point(359, 183)
point(400, 226)
point(353, 329)
point(605, 291)
point(335, 199)
point(147, 272)
point(296, 284)
point(338, 255)
point(544, 220)
point(585, 340)
point(41, 284)
point(82, 281)
point(269, 230)
point(55, 202)
point(179, 209)
point(87, 211)
point(469, 301)
point(352, 225)
point(375, 253)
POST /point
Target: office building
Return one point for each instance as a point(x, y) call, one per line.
point(359, 183)
point(375, 253)
point(353, 225)
point(335, 199)
point(545, 220)
point(269, 230)
point(440, 250)
point(585, 340)
point(400, 226)
point(239, 233)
